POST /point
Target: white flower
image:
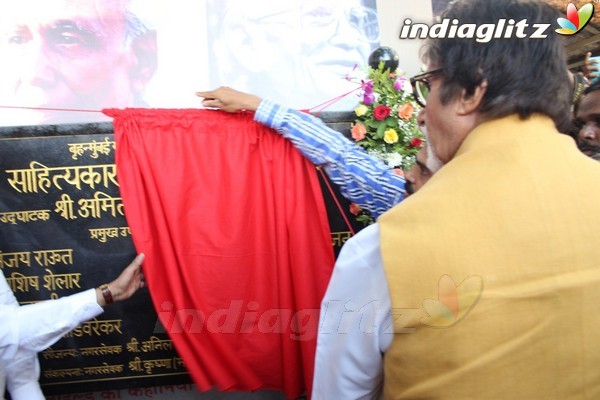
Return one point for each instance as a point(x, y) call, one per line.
point(393, 160)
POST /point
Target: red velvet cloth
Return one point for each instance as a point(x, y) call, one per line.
point(238, 249)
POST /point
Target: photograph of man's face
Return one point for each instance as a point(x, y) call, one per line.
point(63, 61)
point(298, 52)
point(72, 54)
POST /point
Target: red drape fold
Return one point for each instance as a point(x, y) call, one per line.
point(238, 249)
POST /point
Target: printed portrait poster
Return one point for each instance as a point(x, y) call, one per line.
point(63, 61)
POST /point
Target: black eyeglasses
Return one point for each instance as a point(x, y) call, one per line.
point(421, 87)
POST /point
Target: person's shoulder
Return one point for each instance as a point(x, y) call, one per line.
point(364, 246)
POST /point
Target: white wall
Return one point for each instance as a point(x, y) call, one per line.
point(391, 14)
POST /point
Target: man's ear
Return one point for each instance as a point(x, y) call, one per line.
point(144, 50)
point(470, 103)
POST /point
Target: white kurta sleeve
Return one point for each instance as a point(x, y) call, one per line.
point(37, 326)
point(22, 376)
point(355, 315)
point(26, 330)
point(23, 370)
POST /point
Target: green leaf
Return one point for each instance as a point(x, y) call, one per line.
point(380, 130)
point(372, 123)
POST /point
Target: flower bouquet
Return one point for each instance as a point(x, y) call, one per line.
point(386, 123)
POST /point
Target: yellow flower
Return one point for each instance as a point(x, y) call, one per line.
point(361, 110)
point(390, 136)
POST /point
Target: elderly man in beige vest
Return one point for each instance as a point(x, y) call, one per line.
point(485, 283)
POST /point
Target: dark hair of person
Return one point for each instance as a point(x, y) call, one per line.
point(524, 76)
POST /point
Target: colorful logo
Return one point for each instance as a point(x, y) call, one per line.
point(576, 19)
point(453, 303)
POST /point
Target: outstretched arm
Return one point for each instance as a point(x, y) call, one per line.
point(35, 327)
point(361, 178)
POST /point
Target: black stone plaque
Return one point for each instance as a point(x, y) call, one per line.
point(63, 230)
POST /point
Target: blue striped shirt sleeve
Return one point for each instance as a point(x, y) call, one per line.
point(361, 178)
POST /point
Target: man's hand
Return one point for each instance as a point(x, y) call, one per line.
point(230, 100)
point(126, 284)
point(591, 69)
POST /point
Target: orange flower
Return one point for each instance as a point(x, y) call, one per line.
point(359, 132)
point(398, 171)
point(406, 111)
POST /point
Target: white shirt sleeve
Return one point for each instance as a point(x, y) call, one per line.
point(25, 330)
point(23, 371)
point(7, 296)
point(22, 376)
point(35, 327)
point(354, 323)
